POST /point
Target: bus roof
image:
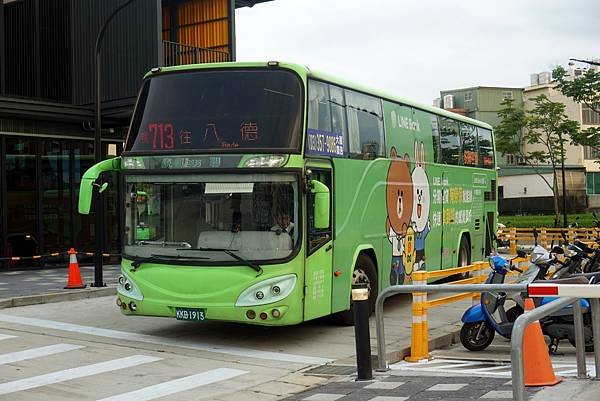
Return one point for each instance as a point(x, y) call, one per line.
point(310, 73)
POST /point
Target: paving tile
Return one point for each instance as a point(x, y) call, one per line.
point(447, 387)
point(384, 385)
point(324, 397)
point(498, 394)
point(387, 398)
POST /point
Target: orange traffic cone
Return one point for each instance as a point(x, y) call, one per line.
point(74, 280)
point(538, 367)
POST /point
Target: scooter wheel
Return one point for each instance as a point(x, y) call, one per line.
point(469, 339)
point(589, 345)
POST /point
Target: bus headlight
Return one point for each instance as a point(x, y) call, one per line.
point(266, 161)
point(128, 288)
point(267, 291)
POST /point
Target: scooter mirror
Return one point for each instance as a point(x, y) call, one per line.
point(558, 250)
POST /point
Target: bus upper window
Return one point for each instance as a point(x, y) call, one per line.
point(486, 148)
point(435, 132)
point(365, 125)
point(319, 112)
point(469, 144)
point(338, 117)
point(450, 141)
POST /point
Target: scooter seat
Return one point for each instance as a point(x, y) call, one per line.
point(567, 280)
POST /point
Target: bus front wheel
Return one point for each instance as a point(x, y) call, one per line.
point(364, 272)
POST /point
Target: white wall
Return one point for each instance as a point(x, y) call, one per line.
point(514, 185)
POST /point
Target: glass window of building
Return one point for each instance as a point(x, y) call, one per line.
point(23, 237)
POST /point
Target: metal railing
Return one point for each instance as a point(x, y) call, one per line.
point(518, 333)
point(180, 54)
point(406, 289)
point(545, 236)
point(518, 328)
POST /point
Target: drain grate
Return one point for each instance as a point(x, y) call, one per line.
point(334, 370)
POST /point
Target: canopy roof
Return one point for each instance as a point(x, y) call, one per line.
point(248, 3)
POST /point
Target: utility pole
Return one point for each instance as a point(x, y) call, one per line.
point(98, 201)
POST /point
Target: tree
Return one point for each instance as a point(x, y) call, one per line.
point(584, 89)
point(538, 136)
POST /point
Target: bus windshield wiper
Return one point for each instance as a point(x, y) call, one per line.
point(165, 244)
point(137, 261)
point(229, 252)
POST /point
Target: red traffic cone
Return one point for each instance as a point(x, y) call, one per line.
point(538, 367)
point(74, 280)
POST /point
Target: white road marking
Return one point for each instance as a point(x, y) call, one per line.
point(178, 385)
point(37, 353)
point(123, 335)
point(75, 373)
point(6, 336)
point(466, 367)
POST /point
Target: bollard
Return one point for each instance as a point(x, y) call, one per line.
point(360, 300)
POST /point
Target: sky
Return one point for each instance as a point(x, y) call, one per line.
point(415, 49)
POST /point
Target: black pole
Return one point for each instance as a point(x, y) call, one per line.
point(98, 203)
point(360, 300)
point(564, 190)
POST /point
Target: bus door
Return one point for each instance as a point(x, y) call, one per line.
point(449, 231)
point(319, 246)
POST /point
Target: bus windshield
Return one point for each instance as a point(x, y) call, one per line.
point(225, 110)
point(252, 215)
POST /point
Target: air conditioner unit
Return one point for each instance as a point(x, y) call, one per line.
point(534, 79)
point(545, 77)
point(449, 101)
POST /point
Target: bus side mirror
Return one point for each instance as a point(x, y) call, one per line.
point(88, 182)
point(321, 207)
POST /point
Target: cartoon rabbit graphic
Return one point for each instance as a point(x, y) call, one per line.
point(421, 205)
point(399, 201)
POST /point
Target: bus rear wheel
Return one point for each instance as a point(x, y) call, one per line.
point(364, 272)
point(464, 256)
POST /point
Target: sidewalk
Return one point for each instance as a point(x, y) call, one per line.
point(398, 386)
point(20, 286)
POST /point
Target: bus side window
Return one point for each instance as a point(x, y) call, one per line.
point(365, 125)
point(486, 148)
point(319, 113)
point(435, 131)
point(318, 237)
point(338, 117)
point(450, 141)
point(469, 144)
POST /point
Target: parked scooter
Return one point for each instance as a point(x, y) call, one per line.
point(483, 320)
point(480, 325)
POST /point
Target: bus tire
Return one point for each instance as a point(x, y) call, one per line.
point(464, 255)
point(364, 272)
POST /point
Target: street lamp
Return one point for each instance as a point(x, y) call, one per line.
point(98, 204)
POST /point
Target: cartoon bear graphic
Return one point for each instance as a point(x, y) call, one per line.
point(399, 201)
point(421, 205)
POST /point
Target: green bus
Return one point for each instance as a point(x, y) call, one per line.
point(260, 192)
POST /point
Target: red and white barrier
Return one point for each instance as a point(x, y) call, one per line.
point(564, 290)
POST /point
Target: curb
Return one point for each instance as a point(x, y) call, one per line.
point(57, 297)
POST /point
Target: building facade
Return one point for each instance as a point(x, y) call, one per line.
point(47, 98)
point(521, 189)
